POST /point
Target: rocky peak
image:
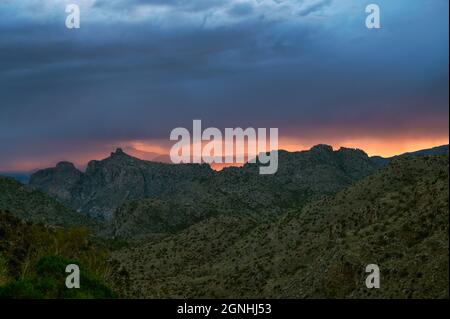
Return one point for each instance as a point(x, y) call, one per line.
point(58, 181)
point(63, 171)
point(92, 167)
point(66, 166)
point(119, 152)
point(322, 148)
point(352, 151)
point(322, 152)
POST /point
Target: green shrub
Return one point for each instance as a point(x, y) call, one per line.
point(21, 289)
point(3, 270)
point(48, 281)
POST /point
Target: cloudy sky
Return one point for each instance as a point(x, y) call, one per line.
point(136, 69)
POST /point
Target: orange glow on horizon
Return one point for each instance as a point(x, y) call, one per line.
point(159, 150)
point(372, 146)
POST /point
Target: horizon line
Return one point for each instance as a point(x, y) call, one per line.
point(214, 166)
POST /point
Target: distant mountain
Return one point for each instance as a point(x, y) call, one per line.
point(22, 177)
point(109, 183)
point(383, 161)
point(135, 194)
point(396, 218)
point(35, 206)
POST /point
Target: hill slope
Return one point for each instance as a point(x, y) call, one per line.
point(438, 150)
point(396, 218)
point(35, 206)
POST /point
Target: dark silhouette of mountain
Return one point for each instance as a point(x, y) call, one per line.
point(438, 150)
point(109, 183)
point(136, 194)
point(143, 198)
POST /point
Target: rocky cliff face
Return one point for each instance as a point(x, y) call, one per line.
point(108, 184)
point(61, 181)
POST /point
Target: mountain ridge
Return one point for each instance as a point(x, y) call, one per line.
point(437, 150)
point(24, 176)
point(109, 184)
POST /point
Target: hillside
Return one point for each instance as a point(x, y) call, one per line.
point(438, 150)
point(396, 218)
point(35, 206)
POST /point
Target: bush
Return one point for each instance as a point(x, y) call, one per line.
point(3, 270)
point(22, 289)
point(49, 279)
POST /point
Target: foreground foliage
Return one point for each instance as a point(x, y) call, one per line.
point(48, 281)
point(33, 259)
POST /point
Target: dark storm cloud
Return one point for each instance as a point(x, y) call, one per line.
point(302, 66)
point(241, 9)
point(313, 6)
point(179, 4)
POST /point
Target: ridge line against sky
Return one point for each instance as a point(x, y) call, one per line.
point(136, 69)
point(165, 158)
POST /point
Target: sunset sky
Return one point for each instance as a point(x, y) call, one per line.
point(136, 69)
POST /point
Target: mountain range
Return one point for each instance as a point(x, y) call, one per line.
point(139, 197)
point(308, 231)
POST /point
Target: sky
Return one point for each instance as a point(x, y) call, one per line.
point(136, 69)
